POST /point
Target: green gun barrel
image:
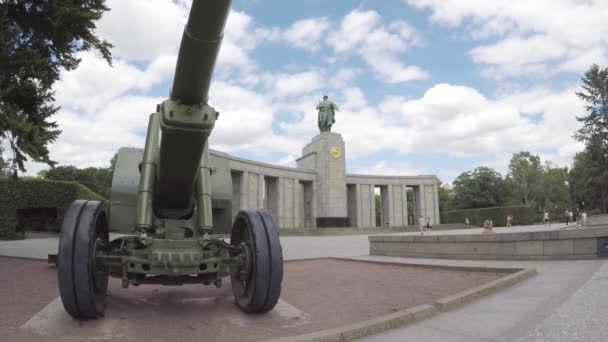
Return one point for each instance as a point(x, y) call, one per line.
point(198, 51)
point(186, 120)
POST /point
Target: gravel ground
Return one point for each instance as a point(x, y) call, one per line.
point(317, 294)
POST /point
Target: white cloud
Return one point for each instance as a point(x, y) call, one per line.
point(296, 84)
point(307, 33)
point(143, 29)
point(95, 83)
point(92, 139)
point(289, 160)
point(363, 33)
point(447, 119)
point(534, 37)
point(520, 51)
point(391, 168)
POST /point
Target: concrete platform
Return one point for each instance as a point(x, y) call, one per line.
point(521, 243)
point(319, 295)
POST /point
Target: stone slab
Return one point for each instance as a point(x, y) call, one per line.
point(558, 247)
point(585, 246)
point(528, 248)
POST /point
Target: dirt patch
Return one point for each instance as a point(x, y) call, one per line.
point(317, 294)
point(26, 286)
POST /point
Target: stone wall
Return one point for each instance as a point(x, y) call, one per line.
point(578, 243)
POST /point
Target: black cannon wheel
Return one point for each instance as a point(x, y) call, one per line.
point(83, 282)
point(257, 288)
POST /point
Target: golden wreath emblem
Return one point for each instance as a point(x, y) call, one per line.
point(335, 152)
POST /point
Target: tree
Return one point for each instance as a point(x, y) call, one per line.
point(5, 168)
point(446, 197)
point(589, 176)
point(71, 173)
point(98, 179)
point(38, 39)
point(481, 188)
point(593, 162)
point(595, 96)
point(553, 192)
point(525, 171)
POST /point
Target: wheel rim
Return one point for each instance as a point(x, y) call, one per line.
point(242, 279)
point(100, 273)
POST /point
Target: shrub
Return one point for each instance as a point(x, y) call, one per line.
point(521, 215)
point(28, 201)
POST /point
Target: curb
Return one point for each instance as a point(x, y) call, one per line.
point(418, 313)
point(366, 328)
point(454, 301)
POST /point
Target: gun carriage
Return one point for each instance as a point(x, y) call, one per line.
point(170, 200)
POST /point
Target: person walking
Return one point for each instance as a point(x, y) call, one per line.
point(509, 219)
point(421, 224)
point(584, 217)
point(466, 222)
point(571, 216)
point(428, 224)
point(546, 219)
point(567, 216)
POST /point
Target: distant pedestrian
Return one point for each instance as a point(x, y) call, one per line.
point(571, 216)
point(546, 219)
point(584, 217)
point(578, 216)
point(421, 224)
point(387, 225)
point(428, 224)
point(509, 219)
point(567, 216)
point(466, 222)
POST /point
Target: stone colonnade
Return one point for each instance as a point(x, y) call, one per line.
point(361, 204)
point(290, 195)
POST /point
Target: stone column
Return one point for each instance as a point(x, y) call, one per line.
point(390, 202)
point(296, 203)
point(359, 207)
point(372, 200)
point(404, 195)
point(281, 202)
point(314, 205)
point(417, 203)
point(244, 190)
point(397, 206)
point(261, 192)
point(252, 190)
point(436, 203)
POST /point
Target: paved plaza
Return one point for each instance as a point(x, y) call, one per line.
point(565, 301)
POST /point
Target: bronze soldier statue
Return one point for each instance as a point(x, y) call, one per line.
point(327, 112)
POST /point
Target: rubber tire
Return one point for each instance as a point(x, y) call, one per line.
point(84, 222)
point(267, 261)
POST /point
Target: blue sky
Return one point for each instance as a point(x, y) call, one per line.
point(424, 86)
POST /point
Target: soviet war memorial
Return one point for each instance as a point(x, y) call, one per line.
point(277, 171)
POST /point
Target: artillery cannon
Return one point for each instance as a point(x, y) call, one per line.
point(171, 199)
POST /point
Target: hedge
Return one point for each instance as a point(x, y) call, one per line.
point(29, 201)
point(522, 215)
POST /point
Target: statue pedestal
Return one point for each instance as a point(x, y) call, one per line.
point(325, 155)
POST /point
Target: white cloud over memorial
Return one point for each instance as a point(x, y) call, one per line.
point(539, 37)
point(268, 113)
